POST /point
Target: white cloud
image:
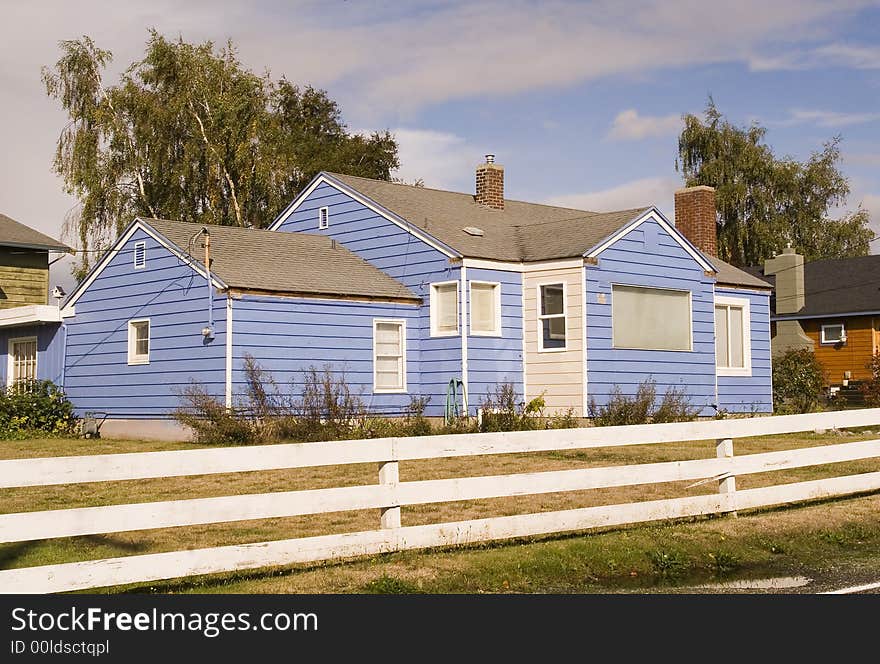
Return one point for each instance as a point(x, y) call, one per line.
point(848, 56)
point(824, 118)
point(646, 191)
point(441, 160)
point(630, 126)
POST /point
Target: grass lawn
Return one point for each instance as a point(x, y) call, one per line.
point(760, 542)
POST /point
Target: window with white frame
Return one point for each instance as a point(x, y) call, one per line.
point(22, 360)
point(444, 309)
point(551, 317)
point(140, 255)
point(833, 333)
point(485, 314)
point(389, 356)
point(732, 338)
point(323, 217)
point(650, 318)
point(139, 341)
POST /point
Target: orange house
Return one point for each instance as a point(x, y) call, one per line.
point(830, 306)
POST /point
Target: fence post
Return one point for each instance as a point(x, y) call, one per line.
point(727, 486)
point(389, 475)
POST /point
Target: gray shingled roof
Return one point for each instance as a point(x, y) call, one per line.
point(253, 259)
point(16, 234)
point(520, 232)
point(838, 286)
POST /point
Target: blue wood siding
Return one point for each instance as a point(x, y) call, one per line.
point(50, 350)
point(496, 360)
point(404, 257)
point(288, 336)
point(173, 296)
point(649, 256)
point(747, 394)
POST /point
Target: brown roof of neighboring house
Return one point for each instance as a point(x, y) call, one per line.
point(837, 286)
point(261, 260)
point(16, 234)
point(522, 232)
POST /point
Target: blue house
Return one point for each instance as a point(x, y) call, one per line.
point(404, 288)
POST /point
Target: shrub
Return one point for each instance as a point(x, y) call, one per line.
point(871, 388)
point(210, 421)
point(798, 381)
point(621, 409)
point(502, 411)
point(36, 407)
point(327, 409)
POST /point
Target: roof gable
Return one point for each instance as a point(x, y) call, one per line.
point(16, 234)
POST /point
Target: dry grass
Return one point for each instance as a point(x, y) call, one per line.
point(119, 544)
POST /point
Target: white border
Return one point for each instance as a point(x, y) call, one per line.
point(402, 323)
point(653, 215)
point(134, 359)
point(498, 332)
point(433, 307)
point(10, 361)
point(826, 342)
point(535, 266)
point(745, 304)
point(540, 329)
point(690, 295)
point(324, 178)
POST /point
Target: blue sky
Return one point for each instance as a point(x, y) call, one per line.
point(580, 101)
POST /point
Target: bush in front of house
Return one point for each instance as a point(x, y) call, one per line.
point(501, 410)
point(871, 388)
point(798, 382)
point(35, 408)
point(641, 408)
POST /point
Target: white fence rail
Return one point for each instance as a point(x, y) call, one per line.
point(390, 494)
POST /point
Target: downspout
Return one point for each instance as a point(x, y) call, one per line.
point(208, 332)
point(228, 350)
point(464, 344)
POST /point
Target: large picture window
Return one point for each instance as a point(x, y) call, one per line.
point(732, 340)
point(22, 360)
point(444, 309)
point(650, 318)
point(389, 356)
point(551, 317)
point(485, 309)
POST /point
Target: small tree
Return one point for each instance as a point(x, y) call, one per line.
point(798, 381)
point(871, 388)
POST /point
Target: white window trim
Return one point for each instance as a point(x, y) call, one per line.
point(743, 303)
point(402, 323)
point(496, 285)
point(540, 317)
point(323, 217)
point(690, 294)
point(142, 246)
point(832, 342)
point(433, 305)
point(133, 358)
point(10, 363)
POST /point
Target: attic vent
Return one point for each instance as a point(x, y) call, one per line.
point(324, 217)
point(140, 255)
point(473, 230)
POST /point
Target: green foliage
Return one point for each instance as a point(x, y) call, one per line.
point(210, 421)
point(390, 585)
point(798, 382)
point(35, 407)
point(189, 133)
point(871, 388)
point(669, 564)
point(501, 410)
point(641, 408)
point(722, 562)
point(766, 202)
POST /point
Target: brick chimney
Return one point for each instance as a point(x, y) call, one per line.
point(695, 217)
point(490, 184)
point(790, 298)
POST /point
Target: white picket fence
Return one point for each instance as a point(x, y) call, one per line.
point(389, 494)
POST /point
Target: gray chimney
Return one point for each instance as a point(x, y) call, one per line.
point(790, 299)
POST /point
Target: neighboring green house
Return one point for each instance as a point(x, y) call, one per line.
point(24, 264)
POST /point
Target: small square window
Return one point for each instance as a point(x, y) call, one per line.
point(140, 255)
point(139, 341)
point(833, 334)
point(444, 309)
point(485, 309)
point(323, 218)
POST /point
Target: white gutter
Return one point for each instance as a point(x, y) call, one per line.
point(32, 314)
